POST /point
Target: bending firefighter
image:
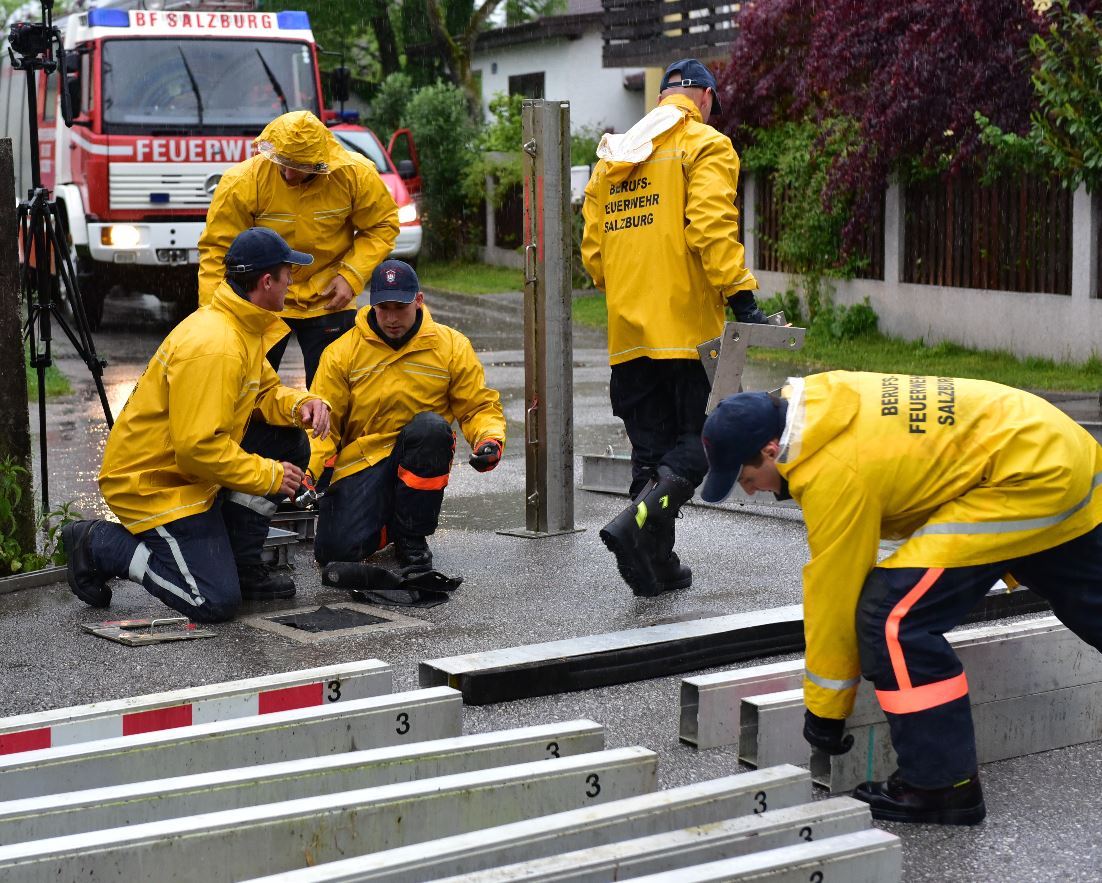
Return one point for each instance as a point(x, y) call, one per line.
point(396, 382)
point(661, 240)
point(983, 481)
point(321, 199)
point(193, 490)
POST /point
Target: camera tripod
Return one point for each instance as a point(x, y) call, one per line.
point(45, 263)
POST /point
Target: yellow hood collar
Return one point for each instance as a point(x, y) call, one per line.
point(303, 139)
point(246, 313)
point(622, 152)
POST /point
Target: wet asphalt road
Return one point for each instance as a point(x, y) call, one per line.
point(1045, 811)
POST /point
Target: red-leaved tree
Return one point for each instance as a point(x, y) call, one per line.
point(912, 74)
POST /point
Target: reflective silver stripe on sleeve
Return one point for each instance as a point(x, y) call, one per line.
point(829, 684)
point(258, 504)
point(991, 527)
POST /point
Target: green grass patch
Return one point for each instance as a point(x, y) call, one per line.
point(590, 310)
point(876, 352)
point(57, 384)
point(470, 278)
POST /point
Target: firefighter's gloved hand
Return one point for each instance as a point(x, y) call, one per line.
point(826, 734)
point(746, 309)
point(307, 492)
point(487, 455)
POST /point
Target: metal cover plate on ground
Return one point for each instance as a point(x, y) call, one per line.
point(143, 632)
point(380, 620)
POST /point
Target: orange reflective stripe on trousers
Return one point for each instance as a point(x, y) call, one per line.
point(908, 699)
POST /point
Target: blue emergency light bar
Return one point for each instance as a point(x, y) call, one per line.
point(120, 18)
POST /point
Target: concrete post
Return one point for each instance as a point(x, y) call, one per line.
point(893, 234)
point(15, 432)
point(1084, 245)
point(548, 339)
point(748, 223)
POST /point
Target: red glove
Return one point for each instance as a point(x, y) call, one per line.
point(487, 455)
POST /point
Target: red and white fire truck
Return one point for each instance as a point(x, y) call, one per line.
point(166, 95)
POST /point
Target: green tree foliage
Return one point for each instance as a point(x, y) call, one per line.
point(388, 107)
point(445, 135)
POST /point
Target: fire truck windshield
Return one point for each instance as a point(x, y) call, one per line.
point(177, 86)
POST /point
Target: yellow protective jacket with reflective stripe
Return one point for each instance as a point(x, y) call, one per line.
point(374, 391)
point(177, 440)
point(346, 219)
point(970, 472)
point(661, 233)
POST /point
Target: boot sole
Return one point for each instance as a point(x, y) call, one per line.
point(972, 815)
point(268, 596)
point(625, 559)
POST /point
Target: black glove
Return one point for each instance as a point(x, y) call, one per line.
point(745, 307)
point(486, 456)
point(826, 734)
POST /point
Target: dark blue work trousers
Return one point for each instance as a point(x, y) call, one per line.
point(398, 496)
point(662, 402)
point(191, 563)
point(902, 618)
point(313, 336)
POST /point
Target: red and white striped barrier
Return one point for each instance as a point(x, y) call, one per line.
point(196, 705)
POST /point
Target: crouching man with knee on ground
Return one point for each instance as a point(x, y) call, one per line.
point(396, 382)
point(193, 492)
point(1001, 483)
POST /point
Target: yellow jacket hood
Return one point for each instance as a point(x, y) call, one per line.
point(624, 152)
point(304, 139)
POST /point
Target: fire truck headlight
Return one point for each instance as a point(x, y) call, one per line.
point(121, 236)
point(407, 214)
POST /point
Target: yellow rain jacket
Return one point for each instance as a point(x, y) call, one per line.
point(661, 233)
point(971, 472)
point(346, 219)
point(177, 440)
point(374, 391)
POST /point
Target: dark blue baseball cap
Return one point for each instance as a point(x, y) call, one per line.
point(734, 433)
point(695, 75)
point(394, 282)
point(259, 248)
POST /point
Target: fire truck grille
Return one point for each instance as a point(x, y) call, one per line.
point(163, 187)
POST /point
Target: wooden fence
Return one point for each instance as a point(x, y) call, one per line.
point(769, 207)
point(1012, 236)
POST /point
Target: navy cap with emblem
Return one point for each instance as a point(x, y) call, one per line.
point(260, 248)
point(394, 282)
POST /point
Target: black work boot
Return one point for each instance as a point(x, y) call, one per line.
point(414, 555)
point(85, 581)
point(896, 801)
point(262, 582)
point(631, 536)
point(669, 572)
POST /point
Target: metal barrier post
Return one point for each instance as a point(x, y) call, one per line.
point(548, 339)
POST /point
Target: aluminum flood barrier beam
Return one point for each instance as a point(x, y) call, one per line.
point(399, 718)
point(195, 705)
point(236, 844)
point(57, 815)
point(616, 657)
point(710, 704)
point(628, 859)
point(698, 804)
point(871, 856)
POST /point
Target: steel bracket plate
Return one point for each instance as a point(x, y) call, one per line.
point(724, 357)
point(142, 632)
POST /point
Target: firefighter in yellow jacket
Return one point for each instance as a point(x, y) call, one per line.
point(321, 199)
point(193, 492)
point(981, 480)
point(661, 240)
point(396, 382)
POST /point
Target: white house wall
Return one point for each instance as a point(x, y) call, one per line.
point(572, 72)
